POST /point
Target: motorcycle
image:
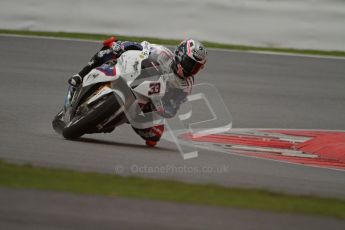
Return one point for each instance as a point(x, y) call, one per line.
point(112, 94)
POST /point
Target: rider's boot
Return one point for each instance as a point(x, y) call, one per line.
point(75, 81)
point(151, 143)
point(151, 135)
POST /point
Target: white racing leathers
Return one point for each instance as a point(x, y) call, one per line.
point(177, 89)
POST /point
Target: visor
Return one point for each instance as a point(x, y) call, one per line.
point(190, 66)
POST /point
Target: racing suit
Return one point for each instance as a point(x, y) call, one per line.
point(177, 88)
point(110, 50)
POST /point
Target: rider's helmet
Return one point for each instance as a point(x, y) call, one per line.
point(190, 57)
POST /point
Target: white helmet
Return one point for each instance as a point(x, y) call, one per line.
point(190, 57)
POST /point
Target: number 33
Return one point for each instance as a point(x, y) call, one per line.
point(154, 88)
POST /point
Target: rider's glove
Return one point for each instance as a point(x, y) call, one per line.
point(75, 81)
point(117, 48)
point(170, 110)
point(172, 101)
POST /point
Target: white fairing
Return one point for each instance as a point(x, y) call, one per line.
point(145, 88)
point(128, 68)
point(129, 63)
point(96, 76)
point(104, 91)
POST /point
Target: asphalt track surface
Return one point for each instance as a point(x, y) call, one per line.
point(261, 91)
point(55, 210)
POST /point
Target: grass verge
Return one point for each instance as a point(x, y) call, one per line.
point(28, 177)
point(173, 42)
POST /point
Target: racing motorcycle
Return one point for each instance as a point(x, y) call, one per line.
point(112, 94)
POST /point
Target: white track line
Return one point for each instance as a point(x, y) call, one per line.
point(215, 49)
point(50, 38)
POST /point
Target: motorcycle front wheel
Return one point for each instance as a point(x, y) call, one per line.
point(95, 114)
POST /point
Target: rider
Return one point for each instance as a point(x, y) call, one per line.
point(186, 61)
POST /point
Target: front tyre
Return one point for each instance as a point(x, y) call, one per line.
point(95, 114)
point(58, 123)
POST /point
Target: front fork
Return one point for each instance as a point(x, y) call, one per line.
point(71, 97)
point(70, 93)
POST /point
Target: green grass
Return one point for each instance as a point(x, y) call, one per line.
point(173, 42)
point(28, 177)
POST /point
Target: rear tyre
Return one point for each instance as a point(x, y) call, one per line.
point(96, 114)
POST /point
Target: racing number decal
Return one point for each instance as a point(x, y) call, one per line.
point(155, 88)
